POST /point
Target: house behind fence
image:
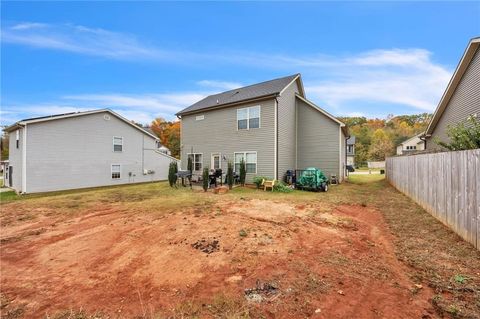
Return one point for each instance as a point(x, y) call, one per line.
point(444, 184)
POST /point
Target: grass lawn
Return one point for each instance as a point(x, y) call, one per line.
point(150, 251)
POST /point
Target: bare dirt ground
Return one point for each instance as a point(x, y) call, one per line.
point(231, 256)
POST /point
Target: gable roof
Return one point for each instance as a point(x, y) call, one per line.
point(70, 115)
point(411, 138)
point(454, 81)
point(351, 140)
point(252, 92)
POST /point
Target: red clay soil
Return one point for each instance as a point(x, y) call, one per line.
point(337, 264)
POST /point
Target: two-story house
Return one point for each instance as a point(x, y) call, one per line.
point(413, 144)
point(461, 98)
point(271, 125)
point(83, 149)
point(351, 150)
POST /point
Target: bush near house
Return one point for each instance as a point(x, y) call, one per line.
point(463, 136)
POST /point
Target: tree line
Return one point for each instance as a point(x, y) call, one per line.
point(378, 138)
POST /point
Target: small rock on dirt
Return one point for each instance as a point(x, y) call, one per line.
point(207, 246)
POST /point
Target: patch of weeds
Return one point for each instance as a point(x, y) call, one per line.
point(453, 310)
point(25, 217)
point(314, 284)
point(15, 313)
point(228, 307)
point(188, 309)
point(460, 279)
point(243, 233)
point(77, 314)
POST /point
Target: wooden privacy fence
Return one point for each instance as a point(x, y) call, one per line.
point(447, 185)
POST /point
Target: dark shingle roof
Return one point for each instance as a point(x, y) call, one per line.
point(241, 94)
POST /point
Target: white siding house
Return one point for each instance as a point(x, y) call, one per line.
point(78, 150)
point(413, 144)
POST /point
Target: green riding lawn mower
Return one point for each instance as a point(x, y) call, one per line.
point(311, 179)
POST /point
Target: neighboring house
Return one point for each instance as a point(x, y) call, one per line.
point(351, 151)
point(461, 98)
point(84, 149)
point(271, 125)
point(413, 144)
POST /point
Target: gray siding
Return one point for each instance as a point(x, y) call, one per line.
point(318, 139)
point(15, 160)
point(217, 133)
point(464, 102)
point(78, 152)
point(286, 130)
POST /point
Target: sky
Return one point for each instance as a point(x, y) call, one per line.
point(151, 59)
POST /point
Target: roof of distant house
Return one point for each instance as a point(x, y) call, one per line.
point(252, 92)
point(411, 138)
point(351, 140)
point(70, 115)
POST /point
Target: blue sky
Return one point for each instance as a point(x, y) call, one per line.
point(150, 59)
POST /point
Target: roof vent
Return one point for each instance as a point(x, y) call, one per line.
point(106, 117)
point(217, 101)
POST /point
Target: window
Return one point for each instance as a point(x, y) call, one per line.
point(200, 117)
point(116, 171)
point(350, 148)
point(248, 118)
point(17, 135)
point(250, 159)
point(117, 144)
point(197, 161)
point(216, 164)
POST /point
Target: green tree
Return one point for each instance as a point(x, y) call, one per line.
point(243, 172)
point(463, 136)
point(230, 174)
point(172, 173)
point(381, 146)
point(205, 179)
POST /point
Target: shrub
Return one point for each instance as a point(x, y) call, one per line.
point(230, 175)
point(205, 178)
point(243, 172)
point(463, 136)
point(172, 173)
point(281, 187)
point(257, 180)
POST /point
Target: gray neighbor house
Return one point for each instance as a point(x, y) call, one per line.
point(460, 100)
point(82, 149)
point(271, 125)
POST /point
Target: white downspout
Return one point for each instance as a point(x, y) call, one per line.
point(24, 160)
point(275, 159)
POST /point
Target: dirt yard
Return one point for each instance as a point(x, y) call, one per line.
point(148, 251)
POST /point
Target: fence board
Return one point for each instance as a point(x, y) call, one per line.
point(444, 184)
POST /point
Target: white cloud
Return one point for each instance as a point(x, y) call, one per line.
point(403, 77)
point(28, 25)
point(80, 39)
point(406, 77)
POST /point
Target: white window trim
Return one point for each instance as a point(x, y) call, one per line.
point(111, 171)
point(200, 117)
point(245, 157)
point(113, 144)
point(194, 170)
point(248, 117)
point(219, 159)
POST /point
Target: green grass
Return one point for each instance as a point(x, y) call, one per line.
point(365, 179)
point(8, 196)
